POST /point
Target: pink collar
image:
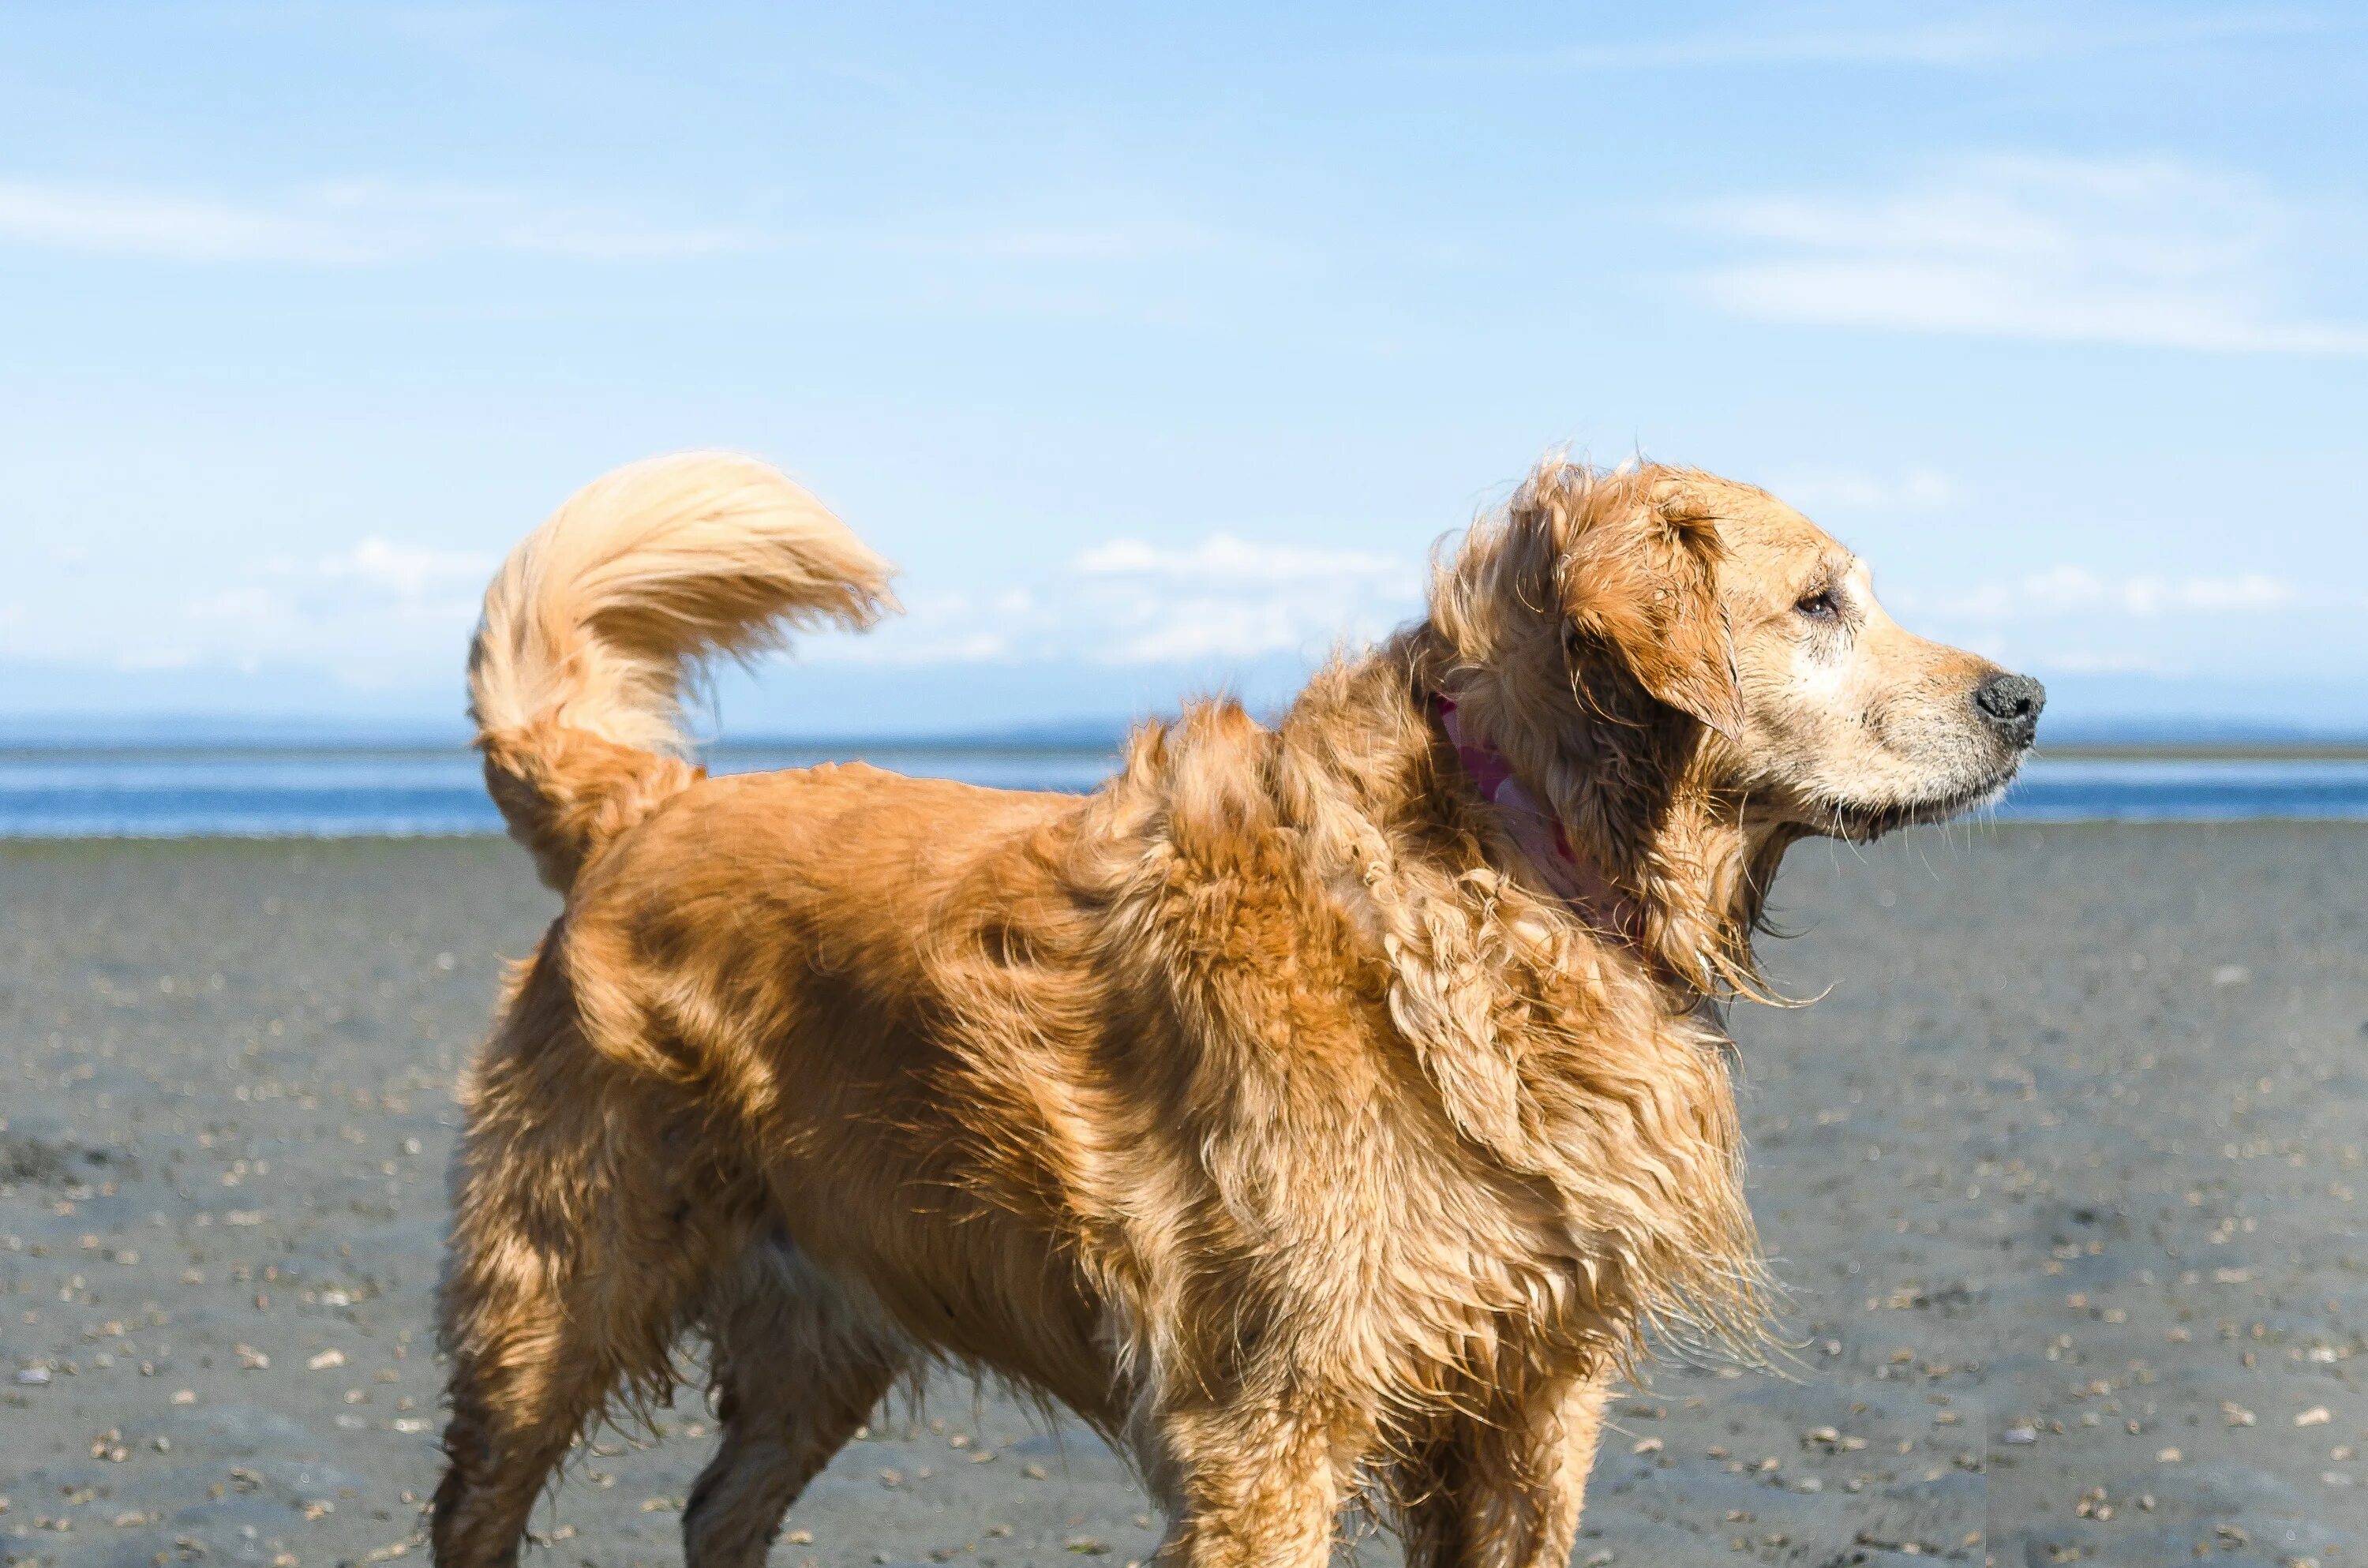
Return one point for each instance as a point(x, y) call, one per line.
point(1535, 827)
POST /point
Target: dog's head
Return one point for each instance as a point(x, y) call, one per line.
point(1848, 723)
point(1630, 636)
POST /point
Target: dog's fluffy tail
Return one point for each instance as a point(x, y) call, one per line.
point(596, 628)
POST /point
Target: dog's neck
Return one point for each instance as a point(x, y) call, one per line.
point(1534, 825)
point(1658, 861)
point(1659, 858)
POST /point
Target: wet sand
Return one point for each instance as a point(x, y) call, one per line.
point(2062, 1171)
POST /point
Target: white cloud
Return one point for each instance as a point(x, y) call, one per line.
point(381, 610)
point(143, 660)
point(113, 222)
point(375, 610)
point(248, 603)
point(1086, 243)
point(2074, 620)
point(349, 224)
point(2087, 662)
point(1960, 37)
point(1222, 558)
point(1231, 598)
point(1862, 490)
point(939, 626)
point(1126, 602)
point(405, 571)
point(2076, 590)
point(2252, 591)
point(2150, 252)
point(362, 223)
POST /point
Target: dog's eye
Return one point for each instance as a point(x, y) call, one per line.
point(1820, 606)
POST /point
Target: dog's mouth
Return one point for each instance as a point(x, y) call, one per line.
point(1861, 822)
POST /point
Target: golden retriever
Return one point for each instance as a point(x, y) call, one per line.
point(1325, 1111)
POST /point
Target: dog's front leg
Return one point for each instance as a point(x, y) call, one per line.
point(1505, 1492)
point(1261, 1485)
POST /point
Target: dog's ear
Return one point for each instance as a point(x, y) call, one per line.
point(1638, 577)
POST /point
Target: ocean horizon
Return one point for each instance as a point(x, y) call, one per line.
point(190, 785)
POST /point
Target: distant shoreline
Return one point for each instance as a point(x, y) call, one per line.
point(349, 787)
point(2207, 751)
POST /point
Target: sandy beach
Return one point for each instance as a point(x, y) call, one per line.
point(2061, 1169)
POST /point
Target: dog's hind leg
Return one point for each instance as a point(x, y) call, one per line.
point(578, 1237)
point(799, 1365)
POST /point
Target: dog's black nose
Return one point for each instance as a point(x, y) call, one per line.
point(2011, 704)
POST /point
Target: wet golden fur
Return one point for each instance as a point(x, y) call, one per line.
point(1262, 1107)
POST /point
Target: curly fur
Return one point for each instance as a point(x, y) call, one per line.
point(1263, 1107)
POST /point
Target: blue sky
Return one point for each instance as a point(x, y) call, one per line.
point(1157, 351)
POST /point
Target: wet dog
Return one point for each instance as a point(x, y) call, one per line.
point(1326, 1109)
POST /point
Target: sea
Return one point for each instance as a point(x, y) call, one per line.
point(285, 788)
